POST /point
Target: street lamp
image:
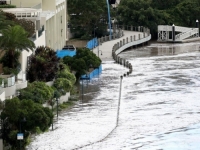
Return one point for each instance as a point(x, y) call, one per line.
point(52, 111)
point(56, 95)
point(197, 26)
point(87, 77)
point(20, 135)
point(99, 50)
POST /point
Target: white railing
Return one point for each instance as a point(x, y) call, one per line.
point(169, 28)
point(187, 34)
point(181, 29)
point(21, 76)
point(38, 6)
point(164, 28)
point(8, 82)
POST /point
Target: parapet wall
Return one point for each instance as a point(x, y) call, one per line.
point(143, 36)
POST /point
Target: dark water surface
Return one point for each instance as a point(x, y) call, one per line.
point(160, 105)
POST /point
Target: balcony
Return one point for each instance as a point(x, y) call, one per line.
point(10, 84)
point(26, 13)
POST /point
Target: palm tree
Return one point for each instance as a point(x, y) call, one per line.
point(13, 41)
point(3, 21)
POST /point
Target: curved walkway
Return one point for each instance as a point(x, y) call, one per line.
point(106, 48)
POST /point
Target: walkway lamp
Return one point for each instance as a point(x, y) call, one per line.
point(56, 95)
point(52, 111)
point(197, 26)
point(173, 32)
point(98, 49)
point(197, 23)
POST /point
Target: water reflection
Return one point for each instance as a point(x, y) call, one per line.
point(163, 49)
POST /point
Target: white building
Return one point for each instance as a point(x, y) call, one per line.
point(50, 18)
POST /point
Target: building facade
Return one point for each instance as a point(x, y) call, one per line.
point(50, 18)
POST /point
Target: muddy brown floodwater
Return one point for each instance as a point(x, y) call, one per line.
point(160, 105)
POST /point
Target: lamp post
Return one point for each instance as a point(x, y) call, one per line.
point(52, 111)
point(82, 94)
point(20, 135)
point(173, 32)
point(197, 26)
point(57, 106)
point(56, 95)
point(99, 50)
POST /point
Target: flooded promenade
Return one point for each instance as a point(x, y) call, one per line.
point(160, 106)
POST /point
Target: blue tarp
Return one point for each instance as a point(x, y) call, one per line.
point(62, 53)
point(92, 74)
point(92, 43)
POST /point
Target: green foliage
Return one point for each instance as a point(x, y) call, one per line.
point(14, 38)
point(37, 91)
point(1, 103)
point(82, 61)
point(150, 13)
point(3, 21)
point(43, 65)
point(63, 85)
point(87, 18)
point(163, 5)
point(28, 25)
point(66, 74)
point(186, 13)
point(31, 117)
point(66, 105)
point(7, 6)
point(11, 67)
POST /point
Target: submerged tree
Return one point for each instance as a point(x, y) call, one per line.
point(82, 61)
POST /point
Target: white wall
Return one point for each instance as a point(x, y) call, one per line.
point(25, 3)
point(2, 95)
point(56, 31)
point(23, 57)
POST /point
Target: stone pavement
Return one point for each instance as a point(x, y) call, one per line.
point(106, 48)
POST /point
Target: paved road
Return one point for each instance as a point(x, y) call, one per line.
point(106, 47)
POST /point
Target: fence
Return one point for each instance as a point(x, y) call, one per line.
point(143, 36)
point(8, 81)
point(62, 53)
point(117, 33)
point(92, 74)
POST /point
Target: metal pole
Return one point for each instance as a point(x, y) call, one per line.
point(98, 50)
point(173, 32)
point(20, 132)
point(52, 111)
point(109, 18)
point(118, 108)
point(82, 92)
point(57, 107)
point(197, 26)
point(94, 39)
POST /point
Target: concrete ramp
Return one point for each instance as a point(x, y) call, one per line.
point(165, 33)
